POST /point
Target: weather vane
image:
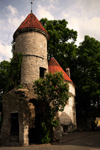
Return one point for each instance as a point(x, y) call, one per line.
point(31, 5)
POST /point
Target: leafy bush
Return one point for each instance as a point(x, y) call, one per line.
point(52, 96)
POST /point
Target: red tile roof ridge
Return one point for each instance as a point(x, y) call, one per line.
point(31, 22)
point(54, 66)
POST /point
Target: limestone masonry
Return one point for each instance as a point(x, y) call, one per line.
point(33, 46)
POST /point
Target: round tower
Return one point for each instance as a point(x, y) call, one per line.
point(31, 40)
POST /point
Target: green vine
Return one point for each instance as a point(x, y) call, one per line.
point(15, 71)
point(20, 86)
point(13, 46)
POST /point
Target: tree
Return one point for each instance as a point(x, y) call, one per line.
point(10, 73)
point(84, 61)
point(15, 70)
point(4, 68)
point(61, 44)
point(52, 95)
point(87, 74)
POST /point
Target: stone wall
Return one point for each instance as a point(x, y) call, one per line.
point(31, 43)
point(33, 46)
point(30, 70)
point(17, 101)
point(67, 118)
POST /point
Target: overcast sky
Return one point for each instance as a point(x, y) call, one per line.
point(82, 16)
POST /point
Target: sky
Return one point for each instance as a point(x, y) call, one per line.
point(81, 15)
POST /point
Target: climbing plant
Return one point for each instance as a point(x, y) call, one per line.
point(52, 96)
point(10, 73)
point(15, 70)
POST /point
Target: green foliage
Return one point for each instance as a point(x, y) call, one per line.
point(45, 136)
point(52, 95)
point(61, 44)
point(87, 74)
point(52, 88)
point(13, 46)
point(15, 70)
point(10, 73)
point(20, 86)
point(4, 77)
point(83, 61)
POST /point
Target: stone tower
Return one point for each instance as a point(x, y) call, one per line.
point(31, 40)
point(19, 109)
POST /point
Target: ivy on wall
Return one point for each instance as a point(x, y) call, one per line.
point(15, 71)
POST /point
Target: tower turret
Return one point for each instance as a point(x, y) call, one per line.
point(31, 40)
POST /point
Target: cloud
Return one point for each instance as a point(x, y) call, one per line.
point(84, 9)
point(8, 26)
point(5, 52)
point(12, 10)
point(84, 17)
point(12, 17)
point(88, 7)
point(14, 22)
point(89, 27)
point(44, 13)
point(47, 9)
point(52, 5)
point(52, 1)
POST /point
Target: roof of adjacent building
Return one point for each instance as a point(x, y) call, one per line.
point(54, 66)
point(31, 23)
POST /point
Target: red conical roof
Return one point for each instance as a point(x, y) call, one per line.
point(31, 23)
point(54, 66)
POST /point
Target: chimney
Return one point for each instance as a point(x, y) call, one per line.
point(68, 72)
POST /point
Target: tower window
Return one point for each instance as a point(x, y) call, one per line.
point(42, 72)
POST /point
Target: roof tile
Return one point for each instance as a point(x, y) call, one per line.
point(31, 22)
point(54, 66)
